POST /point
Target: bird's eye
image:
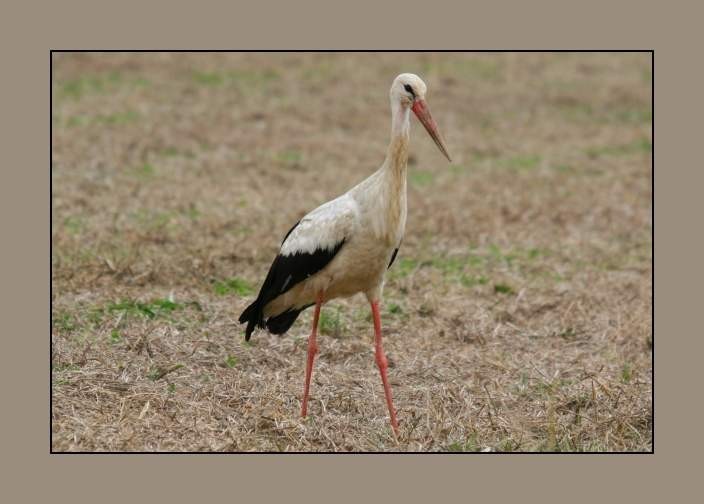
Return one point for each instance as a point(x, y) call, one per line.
point(408, 88)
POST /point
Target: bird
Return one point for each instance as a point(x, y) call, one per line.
point(345, 246)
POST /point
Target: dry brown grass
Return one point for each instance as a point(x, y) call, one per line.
point(517, 316)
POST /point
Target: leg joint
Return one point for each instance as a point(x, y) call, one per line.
point(381, 360)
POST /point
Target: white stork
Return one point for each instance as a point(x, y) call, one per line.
point(345, 246)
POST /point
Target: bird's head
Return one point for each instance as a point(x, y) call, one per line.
point(408, 90)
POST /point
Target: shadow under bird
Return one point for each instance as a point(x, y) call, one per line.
point(345, 246)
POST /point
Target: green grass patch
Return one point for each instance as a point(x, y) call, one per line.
point(503, 289)
point(549, 389)
point(115, 119)
point(507, 445)
point(447, 265)
point(576, 111)
point(152, 309)
point(76, 121)
point(192, 213)
point(330, 324)
point(173, 152)
point(110, 82)
point(403, 266)
point(499, 255)
point(419, 178)
point(240, 230)
point(585, 112)
point(242, 79)
point(394, 309)
point(231, 361)
point(321, 71)
point(289, 157)
point(115, 336)
point(563, 168)
point(170, 152)
point(534, 253)
point(74, 224)
point(472, 281)
point(144, 172)
point(64, 366)
point(457, 169)
point(467, 69)
point(522, 163)
point(470, 445)
point(209, 78)
point(233, 286)
point(157, 373)
point(626, 373)
point(151, 220)
point(95, 316)
point(569, 334)
point(481, 69)
point(642, 146)
point(637, 115)
point(64, 322)
point(476, 267)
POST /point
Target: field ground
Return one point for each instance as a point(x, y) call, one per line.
point(517, 316)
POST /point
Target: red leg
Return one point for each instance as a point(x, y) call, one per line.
point(383, 364)
point(312, 350)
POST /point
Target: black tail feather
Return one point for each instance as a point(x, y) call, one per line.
point(253, 316)
point(278, 324)
point(281, 323)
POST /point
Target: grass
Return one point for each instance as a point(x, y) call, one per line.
point(516, 317)
point(503, 289)
point(522, 163)
point(74, 224)
point(100, 83)
point(115, 336)
point(395, 309)
point(244, 80)
point(152, 309)
point(235, 285)
point(472, 281)
point(626, 373)
point(112, 119)
point(469, 445)
point(638, 147)
point(63, 322)
point(477, 267)
point(403, 266)
point(330, 324)
point(620, 114)
point(289, 158)
point(469, 69)
point(144, 172)
point(420, 179)
point(159, 372)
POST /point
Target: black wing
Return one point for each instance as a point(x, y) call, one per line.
point(393, 257)
point(285, 272)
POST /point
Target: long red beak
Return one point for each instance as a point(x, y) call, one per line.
point(422, 112)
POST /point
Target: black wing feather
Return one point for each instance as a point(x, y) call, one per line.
point(393, 257)
point(285, 272)
point(281, 323)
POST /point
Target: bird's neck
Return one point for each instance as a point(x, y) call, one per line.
point(392, 198)
point(397, 153)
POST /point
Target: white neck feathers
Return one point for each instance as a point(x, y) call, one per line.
point(397, 153)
